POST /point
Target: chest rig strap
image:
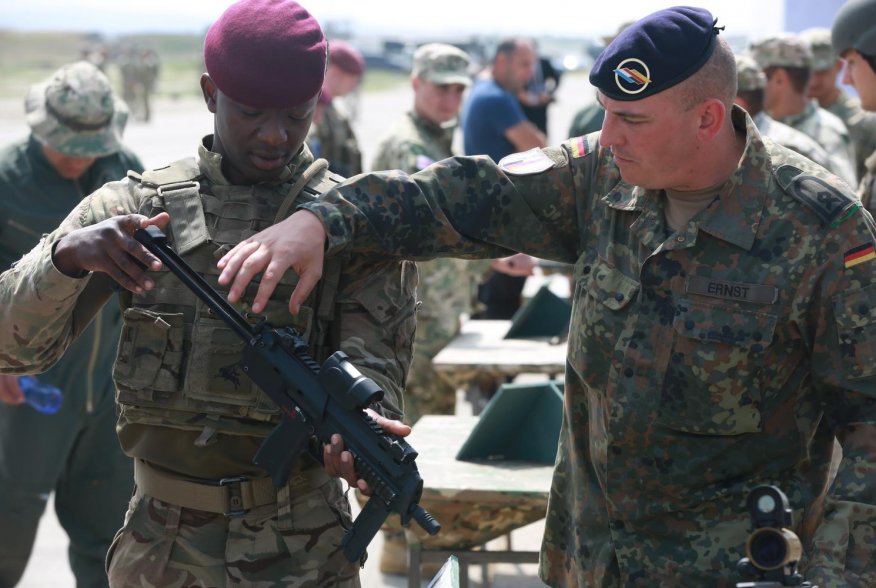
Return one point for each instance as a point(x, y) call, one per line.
point(183, 201)
point(178, 188)
point(317, 178)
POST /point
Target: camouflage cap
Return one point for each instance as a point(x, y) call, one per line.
point(76, 113)
point(783, 50)
point(440, 63)
point(749, 75)
point(823, 56)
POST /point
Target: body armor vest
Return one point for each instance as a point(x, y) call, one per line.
point(177, 363)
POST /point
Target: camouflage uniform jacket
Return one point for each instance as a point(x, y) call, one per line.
point(700, 363)
point(333, 139)
point(861, 126)
point(829, 132)
point(184, 405)
point(445, 286)
point(792, 139)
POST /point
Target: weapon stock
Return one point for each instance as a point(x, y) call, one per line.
point(315, 401)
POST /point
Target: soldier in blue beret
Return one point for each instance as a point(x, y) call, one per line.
point(723, 333)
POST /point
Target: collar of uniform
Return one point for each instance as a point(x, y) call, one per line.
point(210, 164)
point(441, 133)
point(793, 120)
point(737, 216)
point(625, 196)
point(38, 159)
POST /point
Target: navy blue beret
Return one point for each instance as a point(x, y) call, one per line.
point(655, 53)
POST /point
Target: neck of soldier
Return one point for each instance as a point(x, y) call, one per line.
point(790, 104)
point(715, 162)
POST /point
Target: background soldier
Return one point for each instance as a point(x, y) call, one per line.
point(331, 136)
point(422, 137)
point(853, 37)
point(188, 415)
point(74, 148)
point(721, 335)
point(749, 95)
point(826, 68)
point(787, 62)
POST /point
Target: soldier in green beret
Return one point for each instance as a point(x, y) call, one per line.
point(74, 148)
point(723, 332)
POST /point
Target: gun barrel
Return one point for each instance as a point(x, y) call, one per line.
point(155, 241)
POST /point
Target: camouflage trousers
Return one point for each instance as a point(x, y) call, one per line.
point(427, 391)
point(165, 545)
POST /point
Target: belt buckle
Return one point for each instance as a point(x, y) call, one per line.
point(235, 497)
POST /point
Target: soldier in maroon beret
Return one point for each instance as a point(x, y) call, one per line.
point(203, 513)
point(331, 136)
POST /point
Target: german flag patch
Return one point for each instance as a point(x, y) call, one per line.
point(859, 254)
point(579, 147)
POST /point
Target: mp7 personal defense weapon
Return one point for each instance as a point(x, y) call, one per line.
point(315, 402)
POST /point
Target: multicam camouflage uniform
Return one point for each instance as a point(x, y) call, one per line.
point(701, 363)
point(333, 139)
point(186, 411)
point(445, 285)
point(827, 129)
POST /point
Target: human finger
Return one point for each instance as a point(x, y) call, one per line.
point(10, 391)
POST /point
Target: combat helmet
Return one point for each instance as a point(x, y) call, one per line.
point(855, 28)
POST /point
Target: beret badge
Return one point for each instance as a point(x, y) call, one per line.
point(632, 76)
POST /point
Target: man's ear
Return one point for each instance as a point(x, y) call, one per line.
point(210, 90)
point(713, 113)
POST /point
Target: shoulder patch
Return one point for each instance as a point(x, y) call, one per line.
point(423, 161)
point(526, 163)
point(579, 146)
point(830, 203)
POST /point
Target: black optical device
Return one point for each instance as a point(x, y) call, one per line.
point(772, 549)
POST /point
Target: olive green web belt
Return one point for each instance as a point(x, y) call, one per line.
point(229, 496)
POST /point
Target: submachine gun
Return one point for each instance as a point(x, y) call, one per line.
point(316, 402)
point(772, 549)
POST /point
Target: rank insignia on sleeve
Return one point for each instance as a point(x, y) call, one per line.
point(859, 254)
point(526, 163)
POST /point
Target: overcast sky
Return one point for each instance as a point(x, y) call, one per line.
point(417, 17)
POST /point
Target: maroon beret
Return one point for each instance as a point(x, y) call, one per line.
point(266, 53)
point(346, 57)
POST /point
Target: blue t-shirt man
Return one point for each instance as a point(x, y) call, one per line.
point(489, 111)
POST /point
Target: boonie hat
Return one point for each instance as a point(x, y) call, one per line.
point(442, 64)
point(749, 75)
point(823, 56)
point(655, 53)
point(76, 113)
point(783, 50)
point(266, 54)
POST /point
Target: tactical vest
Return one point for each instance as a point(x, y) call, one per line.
point(177, 363)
